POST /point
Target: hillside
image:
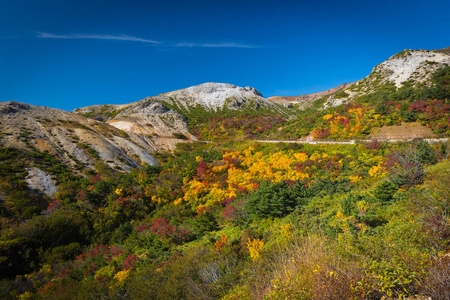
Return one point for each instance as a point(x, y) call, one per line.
point(410, 86)
point(88, 212)
point(77, 142)
point(267, 221)
point(147, 119)
point(409, 68)
point(185, 113)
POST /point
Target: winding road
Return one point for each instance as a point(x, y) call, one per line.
point(431, 141)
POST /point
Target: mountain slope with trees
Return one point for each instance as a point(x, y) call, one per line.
point(230, 218)
point(376, 101)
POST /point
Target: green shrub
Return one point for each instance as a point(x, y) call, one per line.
point(275, 200)
point(385, 191)
point(426, 153)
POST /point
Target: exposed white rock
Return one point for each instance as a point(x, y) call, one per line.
point(333, 102)
point(132, 149)
point(412, 64)
point(41, 181)
point(150, 117)
point(124, 125)
point(213, 96)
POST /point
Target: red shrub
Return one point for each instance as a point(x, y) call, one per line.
point(130, 262)
point(200, 210)
point(374, 145)
point(142, 228)
point(229, 213)
point(81, 195)
point(242, 190)
point(322, 133)
point(54, 205)
point(418, 106)
point(228, 201)
point(202, 170)
point(162, 228)
point(95, 179)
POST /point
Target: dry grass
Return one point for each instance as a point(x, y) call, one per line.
point(437, 284)
point(309, 269)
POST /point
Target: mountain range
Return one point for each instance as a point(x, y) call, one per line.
point(126, 136)
point(215, 192)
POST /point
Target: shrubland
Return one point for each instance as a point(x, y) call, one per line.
point(273, 221)
point(428, 105)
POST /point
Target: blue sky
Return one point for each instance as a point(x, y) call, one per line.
point(71, 53)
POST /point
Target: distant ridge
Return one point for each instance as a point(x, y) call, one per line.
point(309, 97)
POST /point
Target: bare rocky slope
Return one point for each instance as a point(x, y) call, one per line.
point(78, 142)
point(218, 96)
point(147, 119)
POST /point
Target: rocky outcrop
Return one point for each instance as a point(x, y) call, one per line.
point(152, 118)
point(77, 141)
point(41, 181)
point(414, 65)
point(411, 68)
point(216, 96)
point(148, 122)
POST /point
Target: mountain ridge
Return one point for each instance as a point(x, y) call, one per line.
point(174, 113)
point(309, 97)
point(404, 69)
point(124, 136)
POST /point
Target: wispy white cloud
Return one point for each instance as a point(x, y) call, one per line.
point(216, 45)
point(121, 37)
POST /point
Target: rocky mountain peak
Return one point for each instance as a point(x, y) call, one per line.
point(161, 120)
point(221, 88)
point(212, 95)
